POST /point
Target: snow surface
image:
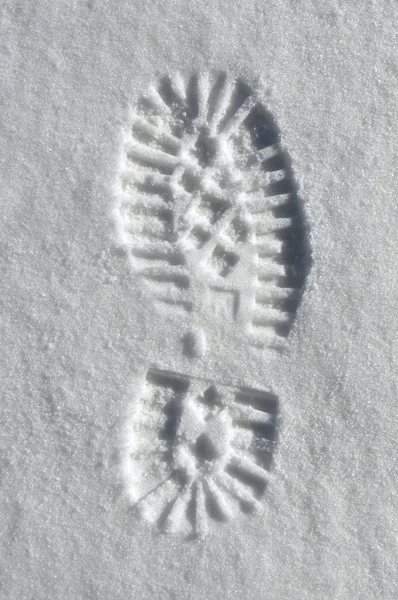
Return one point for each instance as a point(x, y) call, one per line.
point(78, 331)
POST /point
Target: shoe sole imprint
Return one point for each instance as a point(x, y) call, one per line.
point(208, 211)
point(195, 452)
point(206, 200)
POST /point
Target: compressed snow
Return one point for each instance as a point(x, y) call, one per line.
point(79, 332)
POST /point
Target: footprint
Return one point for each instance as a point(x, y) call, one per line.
point(206, 199)
point(208, 212)
point(197, 452)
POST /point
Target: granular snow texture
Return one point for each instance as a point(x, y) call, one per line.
point(78, 330)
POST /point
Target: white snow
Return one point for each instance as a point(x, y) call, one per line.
point(79, 332)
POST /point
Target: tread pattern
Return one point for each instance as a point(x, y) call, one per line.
point(197, 454)
point(206, 198)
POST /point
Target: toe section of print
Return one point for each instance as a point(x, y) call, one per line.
point(197, 454)
point(207, 205)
